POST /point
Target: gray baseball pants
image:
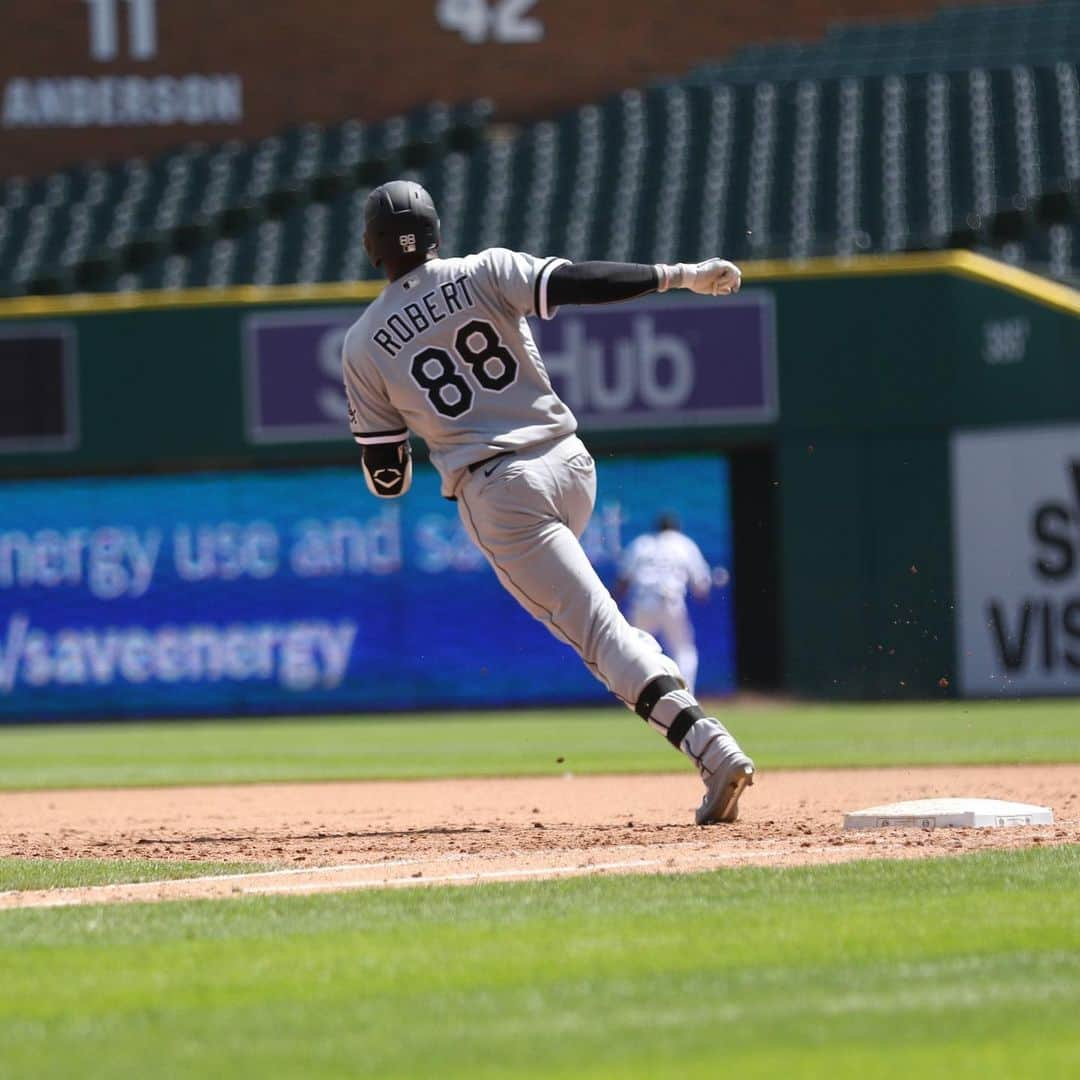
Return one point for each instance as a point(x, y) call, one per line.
point(526, 512)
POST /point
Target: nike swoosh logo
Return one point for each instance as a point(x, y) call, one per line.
point(488, 472)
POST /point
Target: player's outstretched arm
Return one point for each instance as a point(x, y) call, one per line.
point(600, 282)
point(610, 282)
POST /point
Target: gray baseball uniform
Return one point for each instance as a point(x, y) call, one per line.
point(446, 352)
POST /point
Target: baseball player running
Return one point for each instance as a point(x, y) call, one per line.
point(445, 352)
point(656, 570)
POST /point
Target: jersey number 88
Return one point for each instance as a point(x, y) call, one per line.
point(492, 365)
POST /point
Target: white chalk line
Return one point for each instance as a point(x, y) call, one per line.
point(510, 872)
point(342, 868)
point(84, 895)
point(88, 894)
point(478, 875)
point(242, 876)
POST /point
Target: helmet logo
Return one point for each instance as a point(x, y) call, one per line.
point(408, 241)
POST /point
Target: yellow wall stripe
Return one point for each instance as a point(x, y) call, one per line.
point(965, 264)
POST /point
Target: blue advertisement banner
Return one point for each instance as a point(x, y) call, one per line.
point(666, 363)
point(272, 592)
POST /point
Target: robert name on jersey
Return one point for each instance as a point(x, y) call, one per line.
point(437, 304)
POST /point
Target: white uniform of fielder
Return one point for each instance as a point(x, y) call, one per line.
point(657, 569)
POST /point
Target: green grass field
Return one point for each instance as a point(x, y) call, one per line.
point(959, 968)
point(526, 743)
point(18, 874)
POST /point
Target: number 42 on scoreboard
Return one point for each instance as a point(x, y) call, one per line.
point(505, 21)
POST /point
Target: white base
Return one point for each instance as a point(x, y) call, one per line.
point(945, 813)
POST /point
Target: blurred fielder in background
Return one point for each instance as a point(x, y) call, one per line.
point(656, 570)
point(445, 352)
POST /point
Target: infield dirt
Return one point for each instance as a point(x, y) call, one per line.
point(332, 836)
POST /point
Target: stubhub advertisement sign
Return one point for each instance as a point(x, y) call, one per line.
point(297, 591)
point(666, 363)
point(669, 363)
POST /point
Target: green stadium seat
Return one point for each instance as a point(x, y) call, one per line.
point(709, 169)
point(577, 155)
point(529, 206)
point(1054, 251)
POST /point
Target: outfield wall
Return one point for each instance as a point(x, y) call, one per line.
point(861, 377)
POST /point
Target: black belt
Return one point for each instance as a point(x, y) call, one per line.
point(488, 460)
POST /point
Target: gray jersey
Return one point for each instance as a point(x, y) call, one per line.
point(446, 353)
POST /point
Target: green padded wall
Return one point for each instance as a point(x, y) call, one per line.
point(879, 361)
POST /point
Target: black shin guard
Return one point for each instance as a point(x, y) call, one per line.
point(653, 692)
point(683, 723)
point(647, 701)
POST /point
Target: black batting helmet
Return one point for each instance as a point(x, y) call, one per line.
point(400, 220)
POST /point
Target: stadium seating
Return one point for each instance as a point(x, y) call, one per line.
point(902, 148)
point(95, 226)
point(957, 39)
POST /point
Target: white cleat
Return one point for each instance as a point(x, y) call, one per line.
point(722, 791)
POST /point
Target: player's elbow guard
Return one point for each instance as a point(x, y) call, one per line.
point(388, 469)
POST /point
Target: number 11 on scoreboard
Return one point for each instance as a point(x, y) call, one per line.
point(105, 32)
